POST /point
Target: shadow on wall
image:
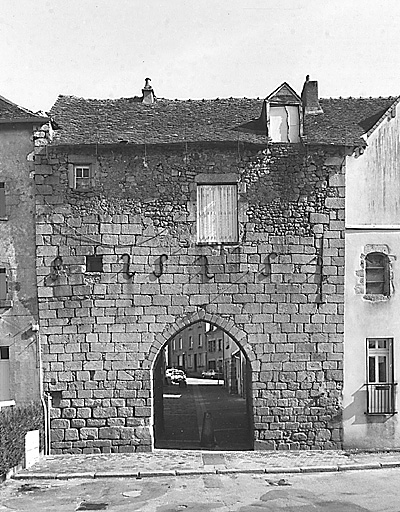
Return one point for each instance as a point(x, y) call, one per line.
point(358, 408)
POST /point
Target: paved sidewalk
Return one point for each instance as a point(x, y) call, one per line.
point(196, 462)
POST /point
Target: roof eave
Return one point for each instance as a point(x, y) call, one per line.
point(32, 120)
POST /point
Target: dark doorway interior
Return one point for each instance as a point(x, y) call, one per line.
point(202, 397)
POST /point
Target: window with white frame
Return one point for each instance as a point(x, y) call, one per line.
point(5, 373)
point(377, 274)
point(200, 340)
point(191, 342)
point(80, 176)
point(380, 385)
point(180, 344)
point(217, 213)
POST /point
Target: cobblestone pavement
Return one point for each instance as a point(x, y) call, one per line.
point(174, 462)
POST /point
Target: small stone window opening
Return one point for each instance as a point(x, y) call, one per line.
point(94, 263)
point(377, 280)
point(81, 178)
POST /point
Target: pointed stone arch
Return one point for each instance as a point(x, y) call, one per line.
point(238, 335)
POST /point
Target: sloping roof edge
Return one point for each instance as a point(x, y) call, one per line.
point(382, 117)
point(30, 116)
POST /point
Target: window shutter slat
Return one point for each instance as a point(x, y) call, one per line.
point(217, 213)
point(3, 286)
point(2, 200)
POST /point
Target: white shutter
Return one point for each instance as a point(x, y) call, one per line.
point(5, 379)
point(217, 213)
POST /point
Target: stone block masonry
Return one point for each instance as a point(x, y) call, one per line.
point(278, 292)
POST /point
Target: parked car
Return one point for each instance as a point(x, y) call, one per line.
point(212, 374)
point(174, 376)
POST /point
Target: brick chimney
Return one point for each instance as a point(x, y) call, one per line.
point(148, 92)
point(309, 97)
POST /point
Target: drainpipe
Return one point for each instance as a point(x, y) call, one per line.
point(46, 406)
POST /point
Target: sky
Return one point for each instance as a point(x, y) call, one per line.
point(196, 48)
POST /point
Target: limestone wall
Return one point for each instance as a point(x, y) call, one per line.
point(278, 292)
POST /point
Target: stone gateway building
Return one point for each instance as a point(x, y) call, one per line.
point(153, 215)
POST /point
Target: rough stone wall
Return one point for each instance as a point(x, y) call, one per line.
point(17, 255)
point(278, 292)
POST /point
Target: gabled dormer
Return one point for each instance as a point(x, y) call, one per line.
point(283, 115)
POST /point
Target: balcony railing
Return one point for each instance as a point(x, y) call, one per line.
point(381, 398)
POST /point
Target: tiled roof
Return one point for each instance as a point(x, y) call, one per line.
point(344, 120)
point(127, 120)
point(165, 121)
point(11, 112)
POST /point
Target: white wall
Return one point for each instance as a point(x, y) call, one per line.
point(372, 218)
point(373, 178)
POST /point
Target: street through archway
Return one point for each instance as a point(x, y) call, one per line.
point(202, 392)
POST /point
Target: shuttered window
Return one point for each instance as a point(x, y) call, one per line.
point(2, 201)
point(5, 373)
point(3, 284)
point(217, 219)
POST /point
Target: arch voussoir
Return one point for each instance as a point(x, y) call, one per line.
point(238, 335)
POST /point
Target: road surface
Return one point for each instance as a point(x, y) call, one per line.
point(352, 491)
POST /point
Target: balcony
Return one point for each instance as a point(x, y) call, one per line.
point(381, 398)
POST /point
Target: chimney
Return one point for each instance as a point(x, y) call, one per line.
point(147, 92)
point(309, 97)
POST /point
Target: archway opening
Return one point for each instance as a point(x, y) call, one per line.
point(202, 391)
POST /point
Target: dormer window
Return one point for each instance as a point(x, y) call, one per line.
point(283, 108)
point(281, 118)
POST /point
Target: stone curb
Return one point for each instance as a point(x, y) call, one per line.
point(199, 472)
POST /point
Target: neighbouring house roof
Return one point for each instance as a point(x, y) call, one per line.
point(345, 120)
point(126, 120)
point(11, 113)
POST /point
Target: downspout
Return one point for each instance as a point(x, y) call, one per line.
point(46, 407)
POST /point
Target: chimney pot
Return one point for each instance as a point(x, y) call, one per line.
point(148, 92)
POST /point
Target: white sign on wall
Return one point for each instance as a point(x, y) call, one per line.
point(32, 453)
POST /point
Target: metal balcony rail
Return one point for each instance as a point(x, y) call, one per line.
point(381, 398)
